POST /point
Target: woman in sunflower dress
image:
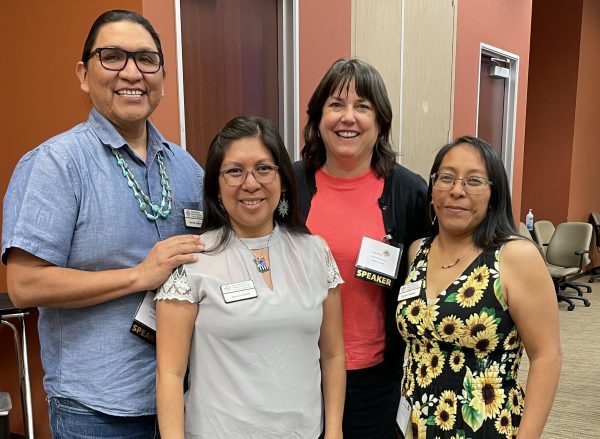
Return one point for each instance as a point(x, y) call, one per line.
point(476, 295)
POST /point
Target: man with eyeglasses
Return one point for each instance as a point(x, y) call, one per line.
point(93, 219)
point(116, 59)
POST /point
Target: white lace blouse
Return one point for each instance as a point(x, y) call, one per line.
point(254, 364)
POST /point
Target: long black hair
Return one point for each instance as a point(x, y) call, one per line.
point(369, 85)
point(215, 217)
point(498, 226)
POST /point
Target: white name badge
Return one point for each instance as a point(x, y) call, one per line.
point(410, 290)
point(377, 262)
point(144, 321)
point(193, 218)
point(403, 416)
point(238, 291)
point(379, 257)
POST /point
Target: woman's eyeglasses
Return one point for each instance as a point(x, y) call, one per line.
point(263, 174)
point(471, 185)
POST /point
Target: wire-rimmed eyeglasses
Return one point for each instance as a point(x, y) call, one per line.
point(263, 174)
point(471, 185)
point(114, 59)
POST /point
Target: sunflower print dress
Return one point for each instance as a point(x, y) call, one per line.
point(463, 355)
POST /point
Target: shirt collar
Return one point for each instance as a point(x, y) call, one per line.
point(108, 134)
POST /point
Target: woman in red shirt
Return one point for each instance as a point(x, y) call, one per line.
point(351, 187)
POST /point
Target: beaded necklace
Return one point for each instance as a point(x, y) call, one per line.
point(452, 264)
point(152, 211)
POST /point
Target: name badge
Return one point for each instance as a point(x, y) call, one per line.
point(193, 218)
point(403, 416)
point(144, 321)
point(238, 291)
point(410, 290)
point(377, 262)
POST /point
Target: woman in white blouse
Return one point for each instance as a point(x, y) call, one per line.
point(258, 316)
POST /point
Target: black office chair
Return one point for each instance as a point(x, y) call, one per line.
point(566, 256)
point(595, 222)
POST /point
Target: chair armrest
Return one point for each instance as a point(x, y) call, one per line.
point(597, 233)
point(581, 254)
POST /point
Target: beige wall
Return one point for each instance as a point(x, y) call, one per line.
point(427, 83)
point(382, 49)
point(413, 51)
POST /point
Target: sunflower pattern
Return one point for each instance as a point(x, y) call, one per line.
point(464, 353)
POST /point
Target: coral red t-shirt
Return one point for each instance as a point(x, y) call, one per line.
point(342, 211)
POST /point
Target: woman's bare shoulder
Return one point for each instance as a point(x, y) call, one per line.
point(520, 252)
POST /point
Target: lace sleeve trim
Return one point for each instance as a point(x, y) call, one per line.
point(176, 287)
point(333, 273)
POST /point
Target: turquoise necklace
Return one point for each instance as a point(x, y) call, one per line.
point(152, 211)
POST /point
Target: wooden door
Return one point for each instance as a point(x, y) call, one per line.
point(230, 65)
point(491, 114)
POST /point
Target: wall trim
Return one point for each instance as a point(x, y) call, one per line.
point(180, 87)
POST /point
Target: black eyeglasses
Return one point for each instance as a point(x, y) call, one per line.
point(115, 60)
point(471, 185)
point(264, 174)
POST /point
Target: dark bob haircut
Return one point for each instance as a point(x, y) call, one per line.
point(369, 85)
point(215, 217)
point(115, 16)
point(498, 225)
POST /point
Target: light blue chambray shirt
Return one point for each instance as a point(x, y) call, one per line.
point(69, 204)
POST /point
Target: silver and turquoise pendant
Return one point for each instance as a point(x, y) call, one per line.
point(261, 264)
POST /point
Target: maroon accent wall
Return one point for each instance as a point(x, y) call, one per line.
point(504, 24)
point(553, 75)
point(40, 98)
point(166, 116)
point(325, 31)
point(40, 101)
point(584, 194)
point(561, 178)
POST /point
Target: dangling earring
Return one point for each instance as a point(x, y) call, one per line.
point(283, 207)
point(433, 217)
point(222, 207)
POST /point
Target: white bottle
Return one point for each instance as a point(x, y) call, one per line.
point(529, 220)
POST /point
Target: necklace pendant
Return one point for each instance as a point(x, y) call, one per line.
point(261, 264)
